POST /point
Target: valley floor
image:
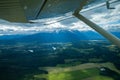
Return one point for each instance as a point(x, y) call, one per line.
point(83, 60)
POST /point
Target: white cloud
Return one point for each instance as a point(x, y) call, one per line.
point(19, 28)
point(108, 19)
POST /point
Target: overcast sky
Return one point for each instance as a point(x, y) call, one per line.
point(108, 19)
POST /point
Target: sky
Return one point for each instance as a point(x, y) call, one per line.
point(107, 19)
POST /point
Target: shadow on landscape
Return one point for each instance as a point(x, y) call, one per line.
point(9, 73)
point(110, 73)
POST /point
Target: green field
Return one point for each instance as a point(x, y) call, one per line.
point(86, 74)
point(74, 75)
point(89, 71)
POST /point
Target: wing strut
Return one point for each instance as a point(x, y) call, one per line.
point(97, 28)
point(45, 1)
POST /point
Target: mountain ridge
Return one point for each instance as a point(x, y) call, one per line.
point(58, 36)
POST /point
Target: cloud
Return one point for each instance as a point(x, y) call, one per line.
point(8, 28)
point(109, 19)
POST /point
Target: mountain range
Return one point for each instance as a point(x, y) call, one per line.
point(56, 36)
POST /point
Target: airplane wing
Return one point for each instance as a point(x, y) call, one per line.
point(23, 10)
point(49, 8)
point(11, 10)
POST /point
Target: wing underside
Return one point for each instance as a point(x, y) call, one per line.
point(23, 10)
point(11, 10)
